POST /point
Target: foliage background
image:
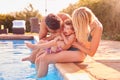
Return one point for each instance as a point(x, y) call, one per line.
point(26, 14)
point(107, 12)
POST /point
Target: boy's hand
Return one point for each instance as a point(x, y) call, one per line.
point(62, 34)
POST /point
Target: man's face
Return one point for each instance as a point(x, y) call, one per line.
point(53, 31)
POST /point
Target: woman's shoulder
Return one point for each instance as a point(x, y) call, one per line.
point(97, 25)
point(96, 29)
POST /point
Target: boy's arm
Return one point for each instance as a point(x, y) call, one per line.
point(68, 41)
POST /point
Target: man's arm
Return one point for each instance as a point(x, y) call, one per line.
point(43, 30)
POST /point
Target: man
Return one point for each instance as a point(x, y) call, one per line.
point(52, 24)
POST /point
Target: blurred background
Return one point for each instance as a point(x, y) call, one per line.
point(107, 12)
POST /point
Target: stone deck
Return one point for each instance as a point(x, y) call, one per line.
point(105, 65)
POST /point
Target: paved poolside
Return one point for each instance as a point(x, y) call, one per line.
point(107, 61)
point(105, 65)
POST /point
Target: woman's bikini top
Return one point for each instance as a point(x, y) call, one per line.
point(89, 39)
point(90, 36)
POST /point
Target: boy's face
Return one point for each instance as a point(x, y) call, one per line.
point(68, 30)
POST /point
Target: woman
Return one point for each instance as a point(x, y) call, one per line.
point(88, 32)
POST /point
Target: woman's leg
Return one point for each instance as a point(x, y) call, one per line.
point(64, 56)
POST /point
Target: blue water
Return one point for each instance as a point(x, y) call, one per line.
point(11, 66)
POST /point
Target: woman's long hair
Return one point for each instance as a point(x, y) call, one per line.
point(81, 18)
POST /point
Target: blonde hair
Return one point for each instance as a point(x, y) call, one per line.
point(81, 19)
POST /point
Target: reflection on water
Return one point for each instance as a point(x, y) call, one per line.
point(11, 66)
point(6, 45)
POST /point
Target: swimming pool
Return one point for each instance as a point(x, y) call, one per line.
point(11, 66)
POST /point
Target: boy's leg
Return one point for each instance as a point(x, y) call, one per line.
point(31, 46)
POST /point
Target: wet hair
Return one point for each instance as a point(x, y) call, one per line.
point(52, 21)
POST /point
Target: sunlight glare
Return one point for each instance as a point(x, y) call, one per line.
point(54, 6)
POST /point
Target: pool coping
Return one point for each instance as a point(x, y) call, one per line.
point(15, 36)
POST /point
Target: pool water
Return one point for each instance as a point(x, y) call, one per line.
point(11, 66)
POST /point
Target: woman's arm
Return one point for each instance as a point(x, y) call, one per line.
point(96, 37)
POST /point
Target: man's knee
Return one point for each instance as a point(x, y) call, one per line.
point(40, 59)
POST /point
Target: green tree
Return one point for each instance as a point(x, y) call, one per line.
point(107, 12)
point(26, 14)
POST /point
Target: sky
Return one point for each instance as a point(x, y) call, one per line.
point(54, 6)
